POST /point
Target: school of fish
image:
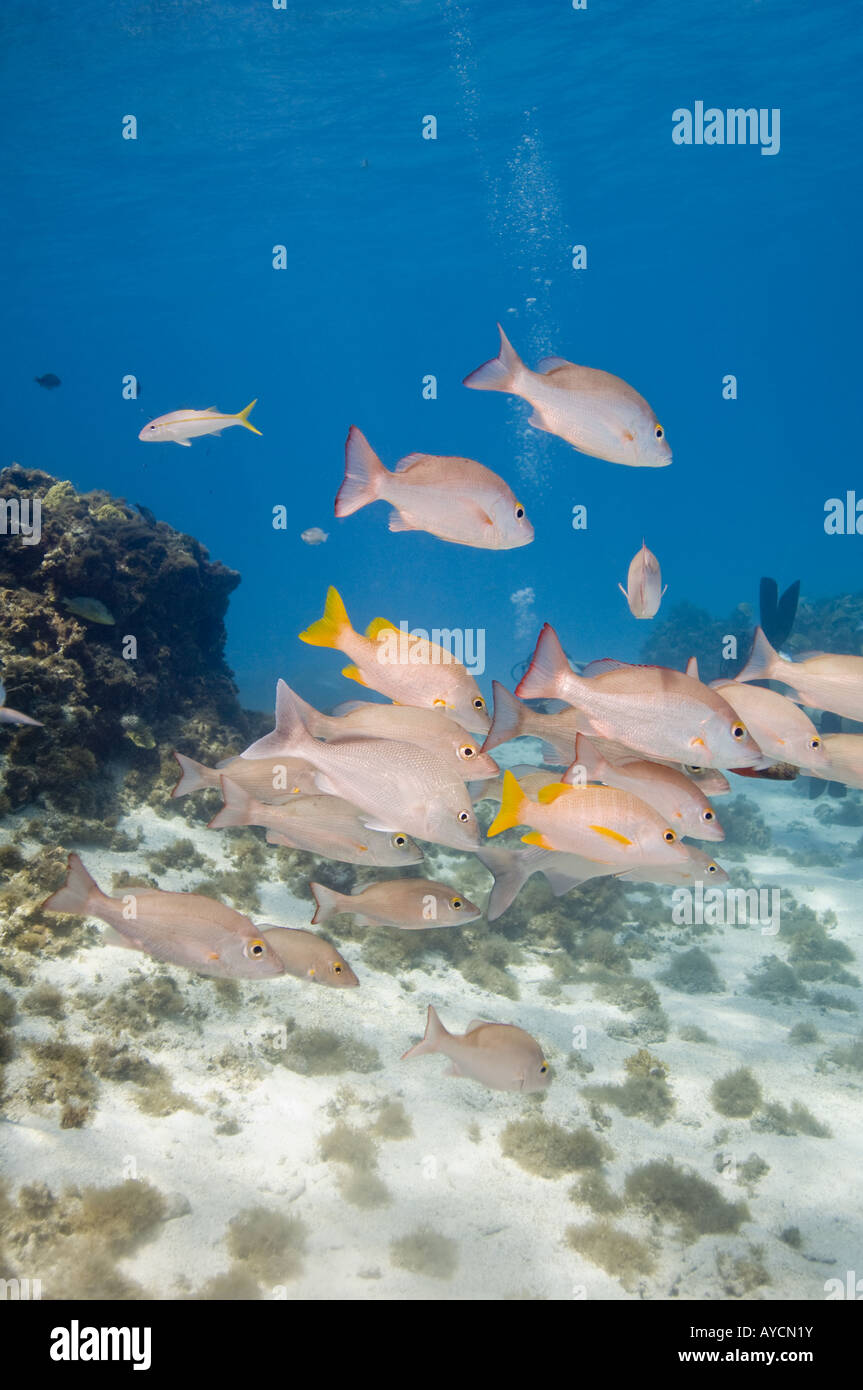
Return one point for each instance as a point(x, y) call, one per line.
point(632, 753)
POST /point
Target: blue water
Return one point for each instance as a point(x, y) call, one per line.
point(303, 127)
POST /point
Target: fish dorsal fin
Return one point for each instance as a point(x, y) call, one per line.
point(692, 667)
point(610, 834)
point(603, 665)
point(348, 707)
point(408, 462)
point(553, 791)
point(474, 1024)
point(379, 625)
point(550, 364)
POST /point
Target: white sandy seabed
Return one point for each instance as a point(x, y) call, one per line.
point(509, 1226)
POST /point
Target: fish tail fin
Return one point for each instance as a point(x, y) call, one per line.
point(556, 754)
point(588, 758)
point(192, 777)
point(79, 892)
point(364, 475)
point(762, 659)
point(289, 708)
point(238, 807)
point(329, 630)
point(293, 715)
point(242, 416)
point(508, 718)
point(327, 902)
point(548, 664)
point(435, 1034)
point(511, 802)
point(502, 373)
point(510, 870)
point(786, 612)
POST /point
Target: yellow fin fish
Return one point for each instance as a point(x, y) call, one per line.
point(179, 426)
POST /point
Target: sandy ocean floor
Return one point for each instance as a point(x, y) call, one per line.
point(253, 1138)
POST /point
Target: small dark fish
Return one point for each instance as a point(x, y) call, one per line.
point(830, 723)
point(147, 515)
point(778, 614)
point(49, 381)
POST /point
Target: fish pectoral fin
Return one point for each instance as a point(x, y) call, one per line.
point(112, 937)
point(628, 436)
point(352, 673)
point(477, 511)
point(185, 443)
point(454, 1070)
point(399, 521)
point(610, 834)
point(213, 955)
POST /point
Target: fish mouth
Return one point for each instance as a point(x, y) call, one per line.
point(483, 769)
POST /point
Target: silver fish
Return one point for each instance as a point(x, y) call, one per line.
point(320, 824)
point(498, 1055)
point(181, 928)
point(410, 903)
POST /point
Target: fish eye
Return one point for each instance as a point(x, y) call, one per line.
point(399, 841)
point(519, 511)
point(659, 431)
point(456, 904)
point(337, 969)
point(467, 750)
point(479, 702)
point(814, 743)
point(738, 730)
point(464, 816)
point(255, 949)
point(543, 1069)
point(708, 815)
point(692, 767)
point(669, 836)
point(711, 867)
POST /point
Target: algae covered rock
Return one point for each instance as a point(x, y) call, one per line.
point(155, 676)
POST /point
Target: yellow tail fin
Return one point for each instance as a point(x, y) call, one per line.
point(511, 802)
point(329, 629)
point(243, 416)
